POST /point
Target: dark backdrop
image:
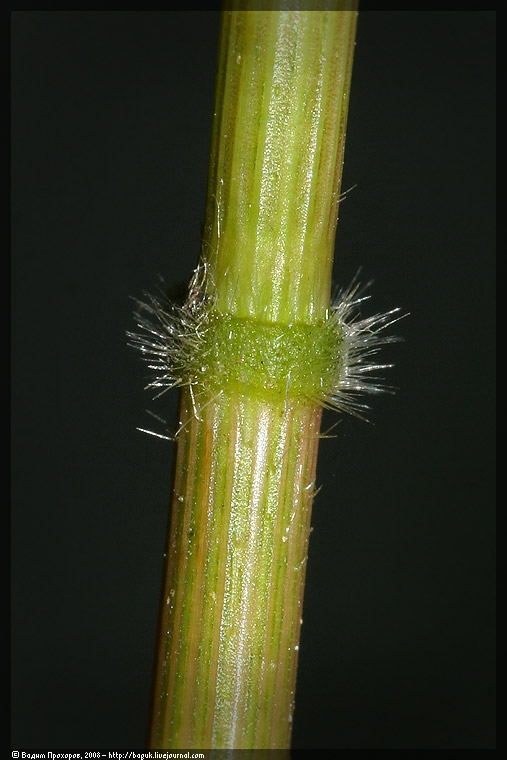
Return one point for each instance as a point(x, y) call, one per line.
point(111, 115)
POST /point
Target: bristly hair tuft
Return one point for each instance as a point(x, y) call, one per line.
point(335, 364)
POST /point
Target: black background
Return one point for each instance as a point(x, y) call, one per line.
point(111, 114)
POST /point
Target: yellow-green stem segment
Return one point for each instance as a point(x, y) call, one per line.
point(231, 611)
point(276, 161)
point(245, 467)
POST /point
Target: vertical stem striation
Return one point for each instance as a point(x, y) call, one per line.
point(236, 567)
point(245, 468)
point(276, 161)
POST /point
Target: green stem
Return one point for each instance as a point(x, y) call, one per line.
point(276, 161)
point(232, 601)
point(249, 425)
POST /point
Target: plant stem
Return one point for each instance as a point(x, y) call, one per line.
point(232, 602)
point(276, 161)
point(247, 446)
